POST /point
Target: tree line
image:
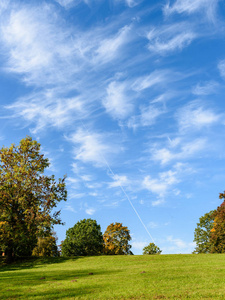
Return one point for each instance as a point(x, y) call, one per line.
point(28, 199)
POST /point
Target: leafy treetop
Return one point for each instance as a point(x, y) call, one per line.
point(116, 240)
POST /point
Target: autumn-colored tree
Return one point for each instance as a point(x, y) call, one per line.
point(27, 198)
point(116, 240)
point(84, 238)
point(151, 249)
point(217, 238)
point(46, 246)
point(203, 233)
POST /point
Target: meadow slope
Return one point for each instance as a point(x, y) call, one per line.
point(116, 277)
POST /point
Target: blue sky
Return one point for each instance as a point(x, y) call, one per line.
point(126, 97)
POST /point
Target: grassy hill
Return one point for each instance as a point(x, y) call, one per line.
point(116, 277)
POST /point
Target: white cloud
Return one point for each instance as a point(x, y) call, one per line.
point(119, 181)
point(155, 78)
point(93, 148)
point(108, 48)
point(158, 202)
point(190, 7)
point(221, 67)
point(207, 88)
point(148, 117)
point(130, 3)
point(90, 211)
point(176, 245)
point(36, 46)
point(186, 150)
point(194, 116)
point(161, 184)
point(48, 109)
point(170, 38)
point(70, 208)
point(117, 103)
point(68, 3)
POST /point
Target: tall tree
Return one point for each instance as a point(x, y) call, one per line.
point(116, 240)
point(83, 239)
point(27, 198)
point(217, 237)
point(203, 232)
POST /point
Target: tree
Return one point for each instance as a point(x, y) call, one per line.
point(83, 239)
point(27, 198)
point(203, 233)
point(116, 240)
point(217, 238)
point(46, 246)
point(151, 249)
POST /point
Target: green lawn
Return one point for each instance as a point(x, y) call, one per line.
point(116, 277)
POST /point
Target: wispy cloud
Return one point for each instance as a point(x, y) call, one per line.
point(194, 116)
point(47, 108)
point(90, 211)
point(170, 38)
point(177, 245)
point(161, 184)
point(117, 102)
point(190, 7)
point(207, 88)
point(155, 78)
point(36, 46)
point(183, 151)
point(92, 148)
point(69, 208)
point(119, 181)
point(147, 117)
point(221, 67)
point(108, 48)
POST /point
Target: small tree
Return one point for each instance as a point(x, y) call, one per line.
point(151, 249)
point(116, 240)
point(85, 238)
point(202, 234)
point(46, 246)
point(27, 198)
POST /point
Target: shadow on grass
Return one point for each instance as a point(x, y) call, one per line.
point(52, 284)
point(33, 262)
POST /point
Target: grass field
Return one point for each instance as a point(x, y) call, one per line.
point(116, 277)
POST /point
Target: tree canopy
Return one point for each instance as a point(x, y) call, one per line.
point(83, 239)
point(116, 240)
point(202, 233)
point(151, 249)
point(27, 198)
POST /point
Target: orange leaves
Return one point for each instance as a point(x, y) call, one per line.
point(116, 240)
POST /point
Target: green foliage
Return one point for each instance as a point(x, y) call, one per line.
point(46, 246)
point(203, 232)
point(116, 240)
point(27, 198)
point(217, 238)
point(151, 249)
point(84, 238)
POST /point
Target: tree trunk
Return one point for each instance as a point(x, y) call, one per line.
point(9, 257)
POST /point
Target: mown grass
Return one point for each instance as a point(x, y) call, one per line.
point(116, 277)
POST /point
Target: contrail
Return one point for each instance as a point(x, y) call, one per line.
point(122, 189)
